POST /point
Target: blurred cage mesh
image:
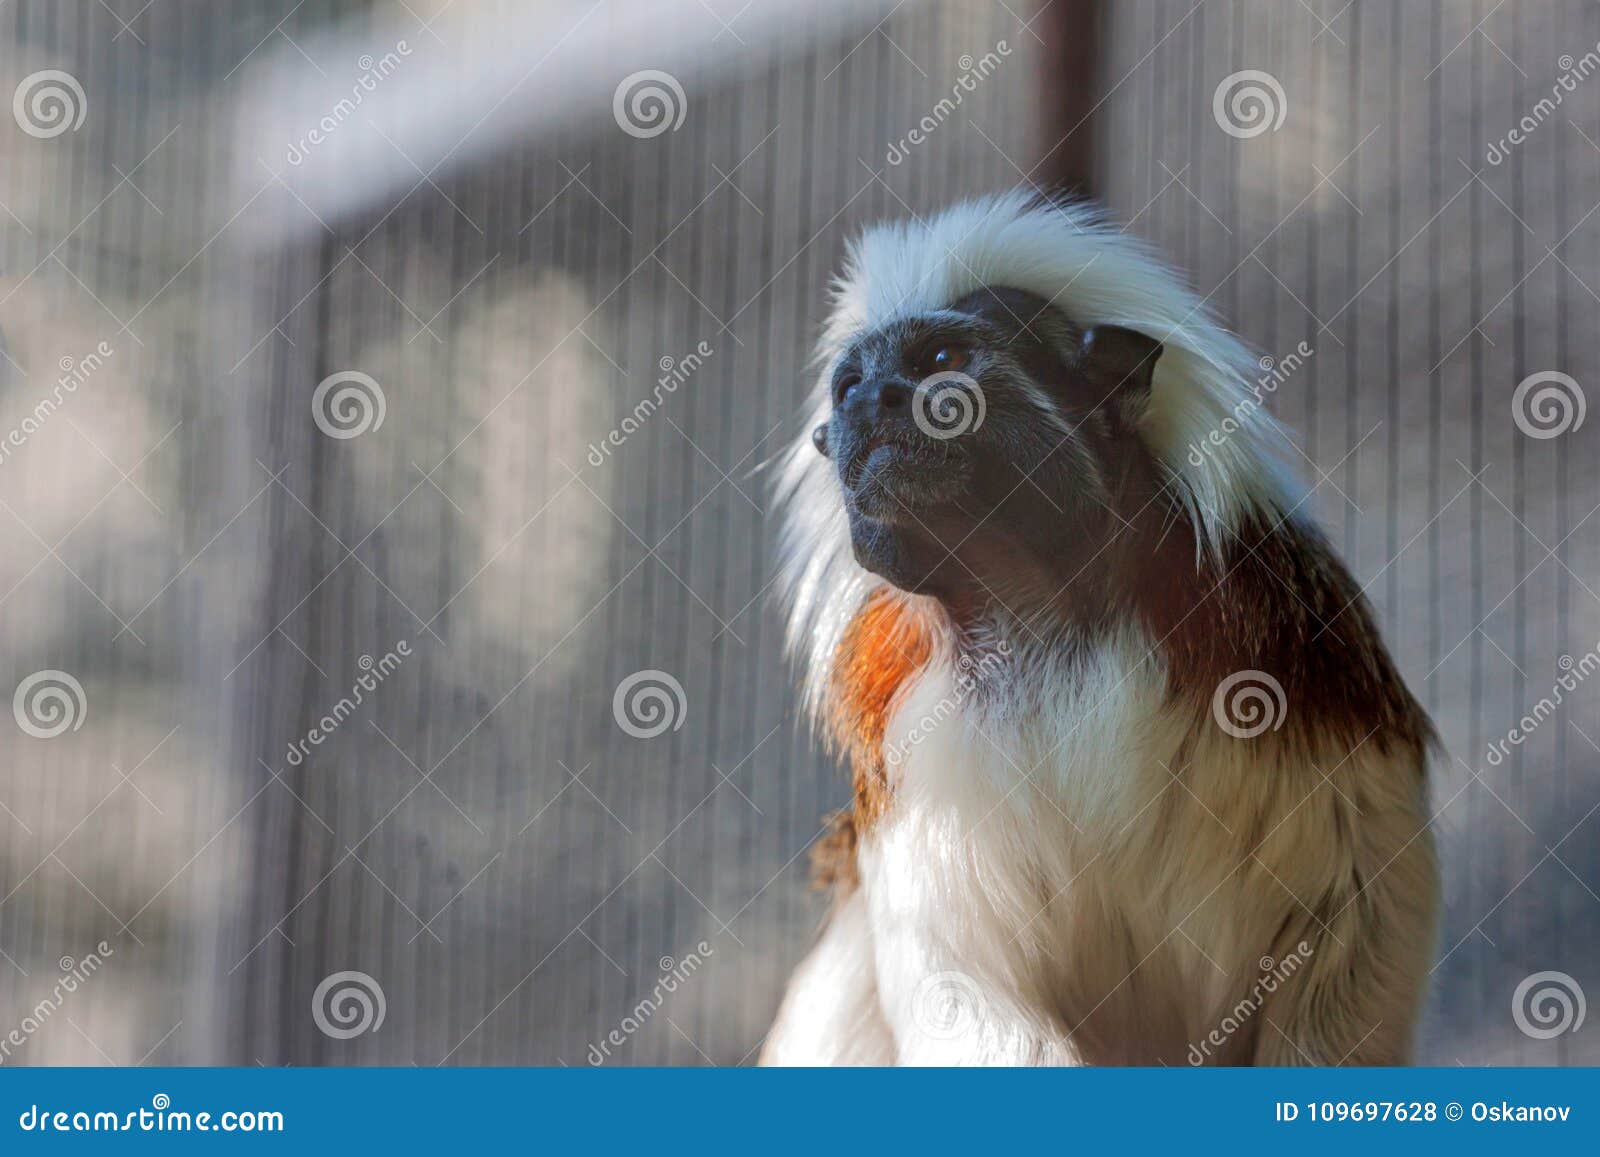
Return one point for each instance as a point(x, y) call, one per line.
point(480, 836)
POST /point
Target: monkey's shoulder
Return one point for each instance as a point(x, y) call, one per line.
point(1280, 601)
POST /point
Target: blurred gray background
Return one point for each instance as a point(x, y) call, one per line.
point(477, 230)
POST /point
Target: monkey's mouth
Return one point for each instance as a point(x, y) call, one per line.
point(894, 475)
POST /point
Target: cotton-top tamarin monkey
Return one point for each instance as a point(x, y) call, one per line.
point(1136, 781)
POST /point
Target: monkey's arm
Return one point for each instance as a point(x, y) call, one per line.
point(830, 1013)
point(1368, 940)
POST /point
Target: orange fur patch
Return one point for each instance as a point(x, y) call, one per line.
point(886, 644)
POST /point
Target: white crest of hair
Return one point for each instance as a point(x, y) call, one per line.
point(1096, 275)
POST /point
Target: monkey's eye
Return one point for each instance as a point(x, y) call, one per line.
point(948, 358)
point(843, 385)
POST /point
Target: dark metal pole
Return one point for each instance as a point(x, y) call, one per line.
point(1069, 85)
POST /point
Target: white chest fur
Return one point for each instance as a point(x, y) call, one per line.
point(1101, 874)
point(1021, 889)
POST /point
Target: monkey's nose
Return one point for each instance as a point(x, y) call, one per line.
point(879, 407)
point(891, 394)
point(877, 400)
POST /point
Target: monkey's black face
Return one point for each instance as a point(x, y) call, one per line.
point(978, 446)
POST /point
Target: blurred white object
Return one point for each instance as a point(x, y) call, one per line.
point(361, 114)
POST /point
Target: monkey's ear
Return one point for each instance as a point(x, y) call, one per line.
point(1121, 362)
